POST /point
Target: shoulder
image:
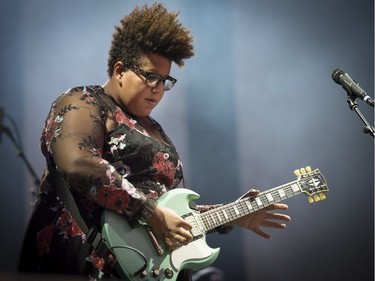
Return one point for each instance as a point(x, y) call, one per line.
point(91, 95)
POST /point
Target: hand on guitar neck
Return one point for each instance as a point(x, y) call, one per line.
point(263, 217)
point(167, 225)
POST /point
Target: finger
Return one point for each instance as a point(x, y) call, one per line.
point(254, 192)
point(182, 239)
point(184, 230)
point(277, 216)
point(185, 225)
point(277, 206)
point(174, 243)
point(170, 243)
point(251, 192)
point(272, 224)
point(262, 233)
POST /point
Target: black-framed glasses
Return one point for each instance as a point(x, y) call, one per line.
point(154, 79)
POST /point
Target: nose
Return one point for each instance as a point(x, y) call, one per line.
point(158, 88)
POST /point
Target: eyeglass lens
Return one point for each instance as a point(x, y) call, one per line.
point(153, 80)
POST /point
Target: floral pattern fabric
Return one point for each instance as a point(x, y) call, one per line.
point(109, 161)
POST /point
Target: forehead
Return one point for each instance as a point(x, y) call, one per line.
point(156, 62)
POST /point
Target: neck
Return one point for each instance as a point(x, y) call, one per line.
point(111, 89)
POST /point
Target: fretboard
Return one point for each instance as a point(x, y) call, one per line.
point(240, 208)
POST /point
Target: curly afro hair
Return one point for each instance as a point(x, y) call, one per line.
point(150, 29)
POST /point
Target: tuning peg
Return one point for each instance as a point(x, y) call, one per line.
point(297, 172)
point(316, 198)
point(322, 196)
point(303, 171)
point(308, 169)
point(311, 200)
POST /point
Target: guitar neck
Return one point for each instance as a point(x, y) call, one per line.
point(229, 212)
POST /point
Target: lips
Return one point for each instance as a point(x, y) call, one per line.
point(151, 101)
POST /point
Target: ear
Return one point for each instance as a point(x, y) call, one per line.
point(118, 72)
point(119, 69)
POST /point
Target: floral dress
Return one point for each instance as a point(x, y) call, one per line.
point(109, 161)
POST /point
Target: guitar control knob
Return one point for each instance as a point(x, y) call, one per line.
point(168, 273)
point(143, 274)
point(155, 272)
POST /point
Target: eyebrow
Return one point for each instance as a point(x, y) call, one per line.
point(161, 75)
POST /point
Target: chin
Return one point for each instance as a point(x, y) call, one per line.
point(144, 114)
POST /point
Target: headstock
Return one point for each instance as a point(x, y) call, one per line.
point(312, 183)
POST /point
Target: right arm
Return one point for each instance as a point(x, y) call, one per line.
point(74, 138)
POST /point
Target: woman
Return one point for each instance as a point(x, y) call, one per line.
point(113, 155)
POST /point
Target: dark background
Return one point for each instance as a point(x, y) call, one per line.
point(255, 103)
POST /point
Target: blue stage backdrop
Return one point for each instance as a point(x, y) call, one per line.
point(255, 103)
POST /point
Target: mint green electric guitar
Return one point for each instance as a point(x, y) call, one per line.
point(140, 256)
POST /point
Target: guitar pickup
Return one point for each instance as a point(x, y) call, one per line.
point(197, 230)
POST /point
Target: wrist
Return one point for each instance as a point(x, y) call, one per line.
point(147, 210)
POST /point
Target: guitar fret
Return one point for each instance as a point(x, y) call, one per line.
point(213, 218)
point(245, 205)
point(295, 188)
point(258, 201)
point(230, 211)
point(289, 192)
point(282, 193)
point(225, 214)
point(264, 200)
point(236, 210)
point(255, 205)
point(218, 216)
point(248, 205)
point(210, 222)
point(269, 197)
point(276, 196)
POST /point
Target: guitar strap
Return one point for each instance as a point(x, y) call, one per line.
point(185, 185)
point(93, 236)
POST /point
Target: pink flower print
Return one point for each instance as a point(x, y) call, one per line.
point(110, 175)
point(88, 97)
point(97, 262)
point(113, 198)
point(165, 170)
point(122, 118)
point(153, 194)
point(44, 239)
point(68, 225)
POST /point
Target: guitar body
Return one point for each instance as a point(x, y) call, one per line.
point(138, 257)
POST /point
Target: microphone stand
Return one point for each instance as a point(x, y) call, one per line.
point(368, 129)
point(20, 153)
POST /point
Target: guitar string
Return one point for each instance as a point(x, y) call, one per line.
point(240, 208)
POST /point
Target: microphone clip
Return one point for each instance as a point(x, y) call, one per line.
point(368, 129)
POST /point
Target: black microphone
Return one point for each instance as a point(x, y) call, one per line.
point(350, 86)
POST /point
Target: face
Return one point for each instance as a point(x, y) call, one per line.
point(134, 93)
